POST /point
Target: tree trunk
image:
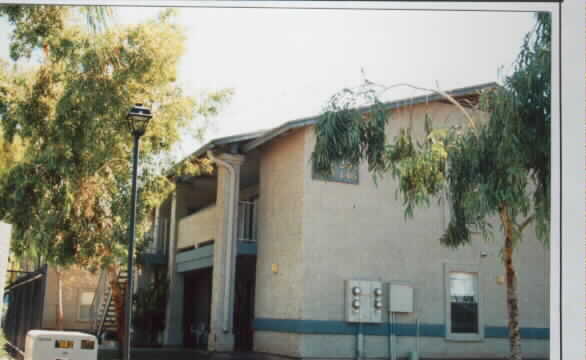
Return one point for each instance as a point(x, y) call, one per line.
point(60, 325)
point(118, 299)
point(511, 280)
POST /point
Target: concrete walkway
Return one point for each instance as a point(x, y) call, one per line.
point(189, 354)
point(185, 354)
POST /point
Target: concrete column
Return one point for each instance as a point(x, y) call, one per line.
point(173, 334)
point(223, 274)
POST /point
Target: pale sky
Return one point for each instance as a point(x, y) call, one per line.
point(285, 64)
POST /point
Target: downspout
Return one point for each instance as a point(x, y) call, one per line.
point(230, 238)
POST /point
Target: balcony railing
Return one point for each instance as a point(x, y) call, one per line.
point(200, 228)
point(197, 228)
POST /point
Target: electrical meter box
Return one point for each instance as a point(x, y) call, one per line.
point(364, 301)
point(400, 298)
point(60, 345)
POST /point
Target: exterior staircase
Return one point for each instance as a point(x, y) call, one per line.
point(103, 311)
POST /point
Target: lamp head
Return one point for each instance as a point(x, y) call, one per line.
point(138, 119)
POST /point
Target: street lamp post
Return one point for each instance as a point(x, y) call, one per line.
point(138, 119)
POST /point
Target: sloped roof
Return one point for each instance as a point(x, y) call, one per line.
point(249, 141)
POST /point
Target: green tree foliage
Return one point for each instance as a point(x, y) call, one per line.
point(34, 25)
point(68, 198)
point(496, 167)
point(11, 153)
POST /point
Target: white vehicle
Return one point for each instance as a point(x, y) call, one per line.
point(60, 345)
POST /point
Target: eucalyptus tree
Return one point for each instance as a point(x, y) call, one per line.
point(68, 198)
point(493, 167)
point(34, 25)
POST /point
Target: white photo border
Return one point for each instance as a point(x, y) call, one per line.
point(568, 140)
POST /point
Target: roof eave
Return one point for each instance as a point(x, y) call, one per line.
point(219, 142)
point(269, 135)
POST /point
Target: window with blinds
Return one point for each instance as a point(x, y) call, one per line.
point(463, 288)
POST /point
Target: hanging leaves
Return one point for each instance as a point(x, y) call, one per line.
point(502, 159)
point(496, 167)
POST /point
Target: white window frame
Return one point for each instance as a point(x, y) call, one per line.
point(468, 268)
point(79, 293)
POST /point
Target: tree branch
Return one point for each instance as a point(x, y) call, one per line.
point(439, 92)
point(523, 225)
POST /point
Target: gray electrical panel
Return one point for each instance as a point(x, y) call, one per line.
point(364, 301)
point(400, 298)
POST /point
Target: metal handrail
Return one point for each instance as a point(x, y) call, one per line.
point(104, 314)
point(100, 311)
point(17, 284)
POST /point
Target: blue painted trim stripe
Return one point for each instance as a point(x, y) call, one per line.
point(203, 257)
point(195, 254)
point(527, 333)
point(246, 248)
point(195, 259)
point(195, 265)
point(154, 259)
point(343, 328)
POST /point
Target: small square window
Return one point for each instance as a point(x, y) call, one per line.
point(342, 172)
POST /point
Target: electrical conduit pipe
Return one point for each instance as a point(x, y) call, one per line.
point(359, 343)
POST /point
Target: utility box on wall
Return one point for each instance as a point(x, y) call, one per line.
point(364, 301)
point(400, 298)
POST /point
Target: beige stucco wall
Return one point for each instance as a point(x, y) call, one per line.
point(322, 233)
point(198, 227)
point(280, 207)
point(74, 282)
point(359, 232)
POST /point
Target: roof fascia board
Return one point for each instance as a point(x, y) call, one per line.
point(279, 131)
point(422, 99)
point(218, 142)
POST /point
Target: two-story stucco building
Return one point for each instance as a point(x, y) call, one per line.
point(258, 254)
